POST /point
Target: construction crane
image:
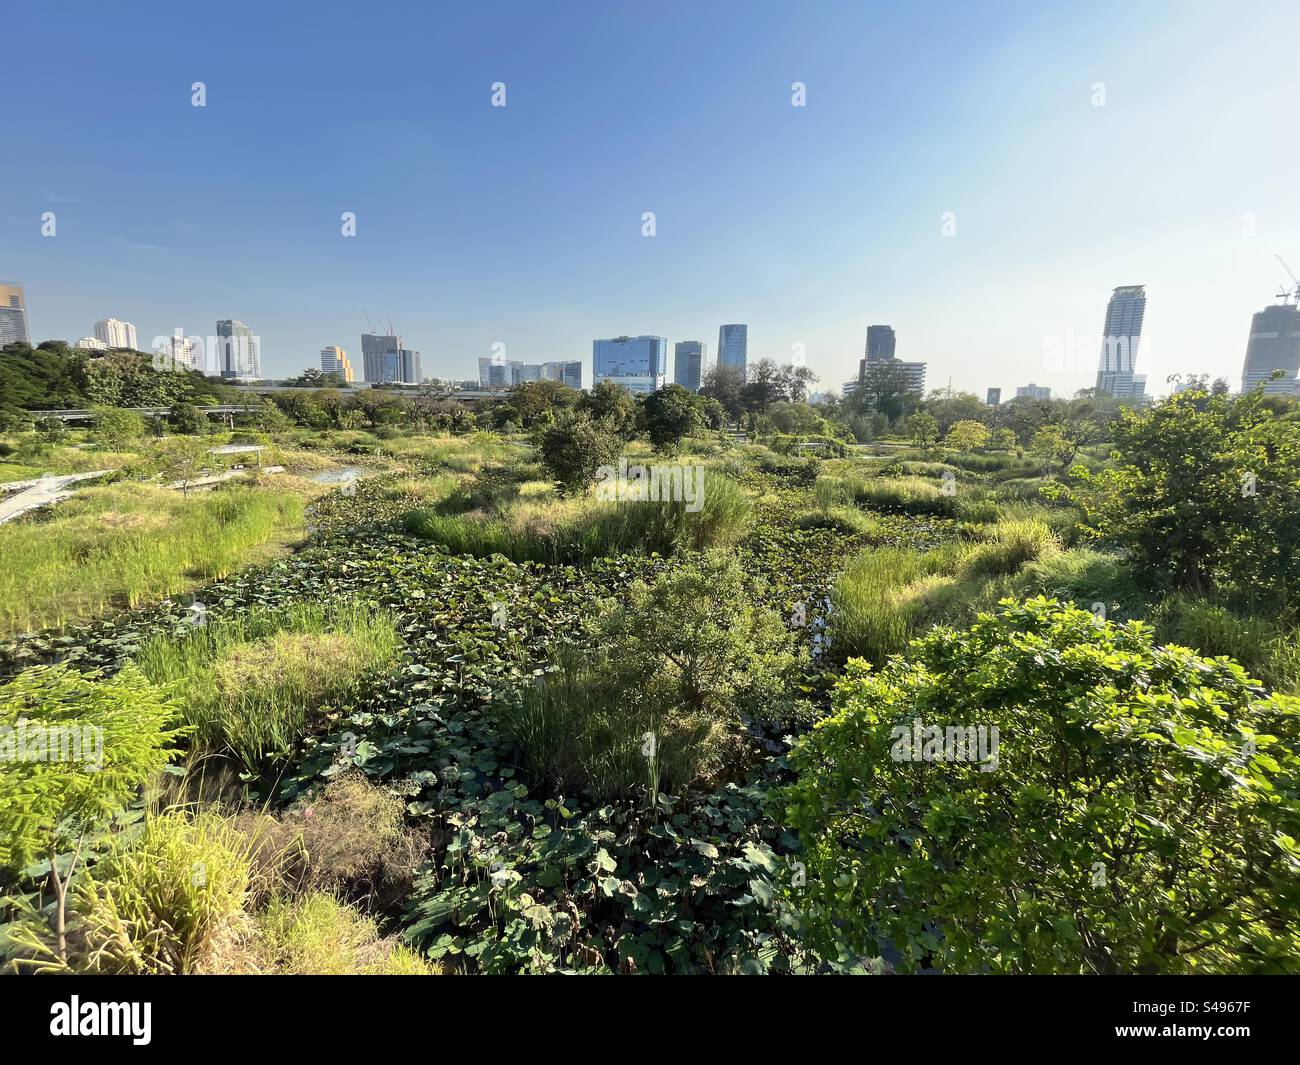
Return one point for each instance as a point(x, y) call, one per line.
point(1288, 296)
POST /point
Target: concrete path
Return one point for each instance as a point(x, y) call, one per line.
point(22, 496)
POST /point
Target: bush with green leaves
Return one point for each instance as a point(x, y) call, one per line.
point(657, 693)
point(573, 448)
point(671, 414)
point(1204, 495)
point(1139, 814)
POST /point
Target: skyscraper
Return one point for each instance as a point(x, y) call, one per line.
point(13, 316)
point(333, 359)
point(115, 333)
point(639, 364)
point(385, 361)
point(993, 397)
point(880, 342)
point(237, 351)
point(1274, 344)
point(881, 345)
point(1119, 345)
point(689, 363)
point(733, 346)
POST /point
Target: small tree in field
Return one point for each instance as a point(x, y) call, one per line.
point(671, 413)
point(967, 436)
point(116, 427)
point(76, 750)
point(574, 448)
point(180, 458)
point(923, 429)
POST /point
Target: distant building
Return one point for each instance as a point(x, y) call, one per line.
point(237, 351)
point(13, 316)
point(1120, 337)
point(639, 364)
point(733, 347)
point(1033, 391)
point(91, 344)
point(334, 359)
point(505, 373)
point(689, 363)
point(881, 345)
point(880, 342)
point(993, 397)
point(1274, 344)
point(177, 352)
point(385, 361)
point(115, 333)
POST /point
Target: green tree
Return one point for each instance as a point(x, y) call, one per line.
point(115, 427)
point(1137, 813)
point(967, 436)
point(573, 449)
point(1204, 493)
point(112, 735)
point(186, 418)
point(181, 459)
point(612, 403)
point(923, 429)
point(671, 414)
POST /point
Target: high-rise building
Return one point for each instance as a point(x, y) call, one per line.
point(881, 345)
point(880, 342)
point(1033, 391)
point(385, 361)
point(505, 373)
point(733, 346)
point(237, 351)
point(1274, 344)
point(116, 333)
point(333, 359)
point(178, 352)
point(689, 363)
point(13, 316)
point(993, 397)
point(1119, 344)
point(639, 364)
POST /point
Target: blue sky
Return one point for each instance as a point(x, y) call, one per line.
point(522, 225)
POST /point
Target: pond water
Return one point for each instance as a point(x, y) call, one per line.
point(340, 475)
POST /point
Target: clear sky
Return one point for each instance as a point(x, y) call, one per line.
point(522, 225)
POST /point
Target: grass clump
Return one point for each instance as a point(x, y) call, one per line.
point(170, 901)
point(1009, 545)
point(319, 935)
point(551, 529)
point(128, 544)
point(247, 684)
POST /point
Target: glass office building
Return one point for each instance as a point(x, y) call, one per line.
point(639, 364)
point(733, 346)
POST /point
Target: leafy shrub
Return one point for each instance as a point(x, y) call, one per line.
point(1140, 815)
point(686, 659)
point(573, 448)
point(1266, 650)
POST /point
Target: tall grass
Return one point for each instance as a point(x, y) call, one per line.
point(557, 530)
point(1267, 650)
point(248, 684)
point(128, 544)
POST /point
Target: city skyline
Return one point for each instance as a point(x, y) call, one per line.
point(800, 232)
